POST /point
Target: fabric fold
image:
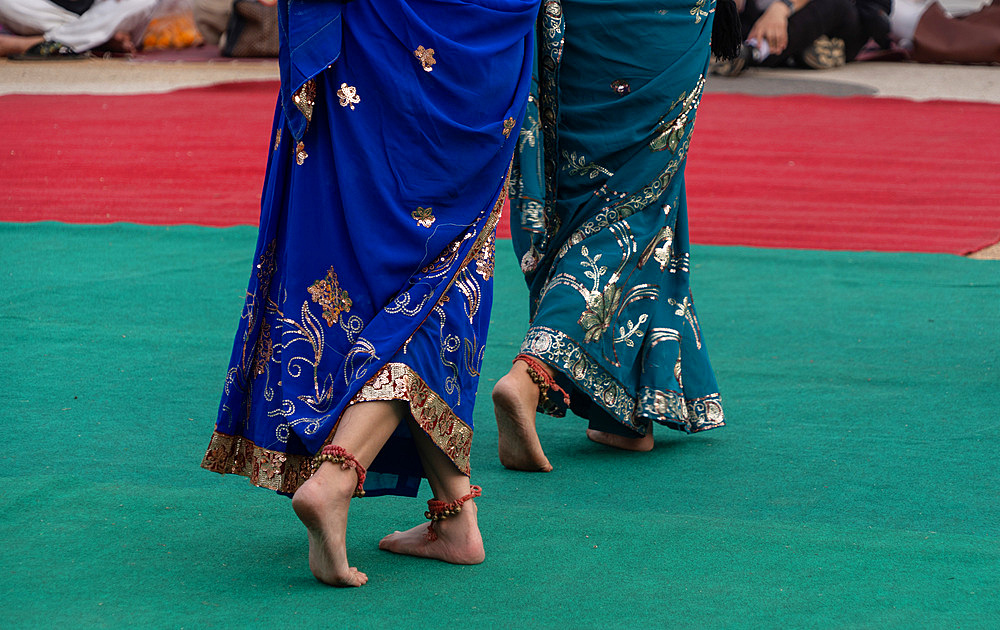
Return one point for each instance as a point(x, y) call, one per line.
point(374, 262)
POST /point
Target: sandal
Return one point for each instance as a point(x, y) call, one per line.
point(49, 51)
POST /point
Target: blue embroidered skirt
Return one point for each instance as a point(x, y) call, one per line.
point(599, 215)
point(372, 275)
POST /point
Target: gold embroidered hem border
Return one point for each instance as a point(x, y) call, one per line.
point(484, 244)
point(284, 472)
point(665, 407)
point(397, 381)
point(233, 454)
point(671, 408)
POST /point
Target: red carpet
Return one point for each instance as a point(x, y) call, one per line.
point(845, 173)
point(191, 156)
point(795, 171)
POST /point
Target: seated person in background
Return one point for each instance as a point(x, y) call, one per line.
point(815, 34)
point(240, 28)
point(53, 29)
point(930, 34)
point(211, 17)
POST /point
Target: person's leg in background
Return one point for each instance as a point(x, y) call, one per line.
point(211, 17)
point(118, 23)
point(829, 19)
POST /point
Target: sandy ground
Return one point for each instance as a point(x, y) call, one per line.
point(884, 79)
point(125, 76)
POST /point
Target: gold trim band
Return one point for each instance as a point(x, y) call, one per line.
point(397, 381)
point(234, 454)
point(285, 472)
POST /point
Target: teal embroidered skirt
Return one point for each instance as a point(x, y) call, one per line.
point(599, 214)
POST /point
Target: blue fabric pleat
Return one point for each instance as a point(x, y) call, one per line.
point(376, 235)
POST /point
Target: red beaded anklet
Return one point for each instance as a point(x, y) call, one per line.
point(438, 510)
point(339, 455)
point(541, 378)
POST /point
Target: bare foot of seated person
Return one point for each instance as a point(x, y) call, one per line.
point(121, 42)
point(18, 44)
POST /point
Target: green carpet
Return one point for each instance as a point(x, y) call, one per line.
point(856, 485)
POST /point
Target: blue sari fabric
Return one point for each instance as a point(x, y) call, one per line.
point(373, 270)
point(599, 214)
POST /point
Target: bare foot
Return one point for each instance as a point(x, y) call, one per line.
point(120, 42)
point(515, 399)
point(321, 503)
point(458, 539)
point(644, 444)
point(17, 44)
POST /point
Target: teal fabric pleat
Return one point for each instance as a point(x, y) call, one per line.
point(599, 213)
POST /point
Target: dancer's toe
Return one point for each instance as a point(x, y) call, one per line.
point(357, 578)
point(387, 542)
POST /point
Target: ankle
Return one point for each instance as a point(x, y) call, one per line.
point(332, 482)
point(525, 364)
point(458, 511)
point(464, 521)
point(552, 399)
point(340, 456)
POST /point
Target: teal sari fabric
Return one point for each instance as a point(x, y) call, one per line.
point(599, 214)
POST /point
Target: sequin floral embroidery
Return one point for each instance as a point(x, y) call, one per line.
point(305, 99)
point(699, 12)
point(426, 57)
point(508, 126)
point(423, 216)
point(328, 294)
point(300, 153)
point(621, 87)
point(348, 95)
point(600, 312)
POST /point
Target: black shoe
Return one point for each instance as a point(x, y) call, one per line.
point(47, 51)
point(733, 67)
point(825, 53)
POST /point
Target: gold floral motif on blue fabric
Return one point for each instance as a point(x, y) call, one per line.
point(423, 216)
point(328, 294)
point(508, 126)
point(348, 96)
point(426, 58)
